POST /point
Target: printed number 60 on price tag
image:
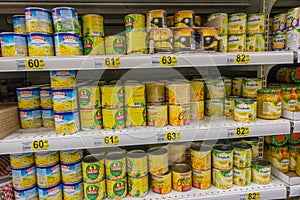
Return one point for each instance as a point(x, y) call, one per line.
point(39, 145)
point(35, 64)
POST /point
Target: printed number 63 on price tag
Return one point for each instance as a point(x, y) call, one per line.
point(172, 136)
point(168, 61)
point(35, 64)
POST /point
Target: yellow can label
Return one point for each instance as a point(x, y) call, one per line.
point(202, 179)
point(250, 87)
point(179, 115)
point(222, 18)
point(197, 90)
point(24, 177)
point(137, 166)
point(92, 25)
point(237, 23)
point(222, 179)
point(222, 159)
point(91, 119)
point(182, 181)
point(261, 174)
point(156, 19)
point(93, 45)
point(136, 116)
point(223, 44)
point(70, 156)
point(255, 147)
point(66, 122)
point(89, 97)
point(46, 98)
point(242, 176)
point(43, 159)
point(113, 119)
point(112, 96)
point(21, 160)
point(179, 93)
point(256, 23)
point(71, 173)
point(184, 19)
point(30, 118)
point(279, 23)
point(137, 42)
point(171, 21)
point(138, 187)
point(184, 39)
point(242, 157)
point(255, 43)
point(200, 160)
point(157, 115)
point(93, 172)
point(158, 164)
point(63, 79)
point(279, 42)
point(155, 92)
point(116, 189)
point(162, 184)
point(237, 43)
point(115, 45)
point(214, 107)
point(292, 18)
point(134, 95)
point(214, 89)
point(237, 86)
point(134, 21)
point(95, 191)
point(245, 111)
point(115, 169)
point(229, 107)
point(197, 109)
point(28, 98)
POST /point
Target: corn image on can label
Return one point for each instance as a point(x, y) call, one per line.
point(184, 18)
point(66, 122)
point(237, 23)
point(182, 177)
point(73, 191)
point(95, 191)
point(54, 192)
point(71, 173)
point(201, 179)
point(214, 89)
point(222, 179)
point(30, 118)
point(137, 163)
point(13, 44)
point(28, 98)
point(134, 21)
point(28, 193)
point(157, 115)
point(63, 79)
point(244, 110)
point(91, 119)
point(138, 187)
point(135, 116)
point(157, 160)
point(197, 90)
point(24, 177)
point(134, 95)
point(93, 45)
point(40, 44)
point(19, 24)
point(115, 166)
point(237, 43)
point(64, 100)
point(46, 97)
point(21, 160)
point(156, 19)
point(93, 168)
point(255, 43)
point(179, 114)
point(250, 86)
point(65, 19)
point(256, 23)
point(48, 176)
point(115, 45)
point(179, 93)
point(38, 20)
point(44, 159)
point(279, 23)
point(197, 109)
point(66, 44)
point(184, 39)
point(222, 156)
point(242, 176)
point(113, 118)
point(92, 25)
point(261, 171)
point(201, 157)
point(160, 40)
point(279, 42)
point(137, 42)
point(214, 107)
point(162, 183)
point(229, 105)
point(112, 96)
point(237, 86)
point(253, 141)
point(242, 156)
point(48, 117)
point(70, 156)
point(155, 92)
point(116, 189)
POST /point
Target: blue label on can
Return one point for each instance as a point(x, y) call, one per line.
point(54, 192)
point(30, 193)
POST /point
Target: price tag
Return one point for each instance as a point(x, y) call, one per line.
point(168, 61)
point(110, 140)
point(241, 59)
point(34, 64)
point(241, 131)
point(112, 62)
point(172, 136)
point(253, 196)
point(39, 145)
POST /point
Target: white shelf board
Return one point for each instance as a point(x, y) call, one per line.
point(8, 64)
point(289, 178)
point(208, 129)
point(274, 190)
point(296, 126)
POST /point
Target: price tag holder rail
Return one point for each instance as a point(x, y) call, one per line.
point(242, 131)
point(165, 60)
point(238, 59)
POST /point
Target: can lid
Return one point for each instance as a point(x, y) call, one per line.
point(157, 151)
point(201, 148)
point(136, 154)
point(222, 147)
point(181, 168)
point(115, 156)
point(252, 139)
point(261, 162)
point(241, 145)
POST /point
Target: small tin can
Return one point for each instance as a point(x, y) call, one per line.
point(66, 44)
point(30, 118)
point(46, 158)
point(63, 79)
point(197, 109)
point(137, 163)
point(184, 18)
point(223, 42)
point(197, 90)
point(66, 122)
point(207, 39)
point(214, 89)
point(279, 42)
point(155, 92)
point(54, 192)
point(134, 95)
point(201, 179)
point(93, 168)
point(71, 173)
point(222, 179)
point(279, 23)
point(222, 157)
point(245, 110)
point(214, 107)
point(237, 86)
point(19, 24)
point(135, 116)
point(229, 105)
point(157, 115)
point(255, 43)
point(28, 193)
point(38, 20)
point(115, 45)
point(95, 190)
point(227, 85)
point(157, 160)
point(179, 93)
point(292, 18)
point(93, 45)
point(292, 41)
point(261, 171)
point(179, 114)
point(184, 39)
point(40, 44)
point(200, 157)
point(236, 43)
point(161, 183)
point(73, 191)
point(182, 177)
point(24, 177)
point(237, 23)
point(28, 97)
point(160, 40)
point(250, 86)
point(64, 100)
point(138, 187)
point(242, 156)
point(48, 176)
point(112, 96)
point(134, 22)
point(156, 19)
point(113, 118)
point(70, 156)
point(177, 152)
point(253, 141)
point(48, 117)
point(18, 161)
point(242, 176)
point(91, 119)
point(46, 97)
point(137, 42)
point(115, 166)
point(92, 25)
point(65, 19)
point(256, 23)
point(89, 96)
point(116, 189)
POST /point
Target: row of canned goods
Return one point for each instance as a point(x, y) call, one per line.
point(286, 21)
point(286, 41)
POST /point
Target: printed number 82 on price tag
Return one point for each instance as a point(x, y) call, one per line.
point(241, 131)
point(241, 58)
point(34, 64)
point(168, 60)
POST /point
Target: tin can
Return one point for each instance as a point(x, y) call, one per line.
point(236, 43)
point(95, 191)
point(222, 157)
point(113, 118)
point(179, 93)
point(184, 18)
point(223, 44)
point(112, 96)
point(93, 45)
point(162, 183)
point(250, 86)
point(182, 177)
point(65, 19)
point(292, 18)
point(279, 23)
point(24, 177)
point(18, 161)
point(197, 20)
point(256, 23)
point(38, 20)
point(70, 156)
point(138, 187)
point(200, 157)
point(115, 166)
point(115, 45)
point(19, 24)
point(93, 168)
point(157, 115)
point(255, 43)
point(54, 192)
point(292, 39)
point(227, 85)
point(261, 171)
point(222, 179)
point(207, 39)
point(214, 89)
point(48, 176)
point(89, 97)
point(156, 19)
point(245, 110)
point(177, 152)
point(201, 179)
point(30, 118)
point(134, 95)
point(48, 118)
point(73, 191)
point(46, 97)
point(116, 189)
point(46, 158)
point(214, 107)
point(64, 100)
point(80, 44)
point(40, 44)
point(28, 97)
point(71, 173)
point(28, 193)
point(134, 21)
point(293, 151)
point(197, 109)
point(197, 90)
point(242, 176)
point(179, 114)
point(237, 23)
point(160, 40)
point(135, 116)
point(242, 156)
point(155, 92)
point(237, 86)
point(229, 105)
point(279, 42)
point(184, 39)
point(66, 122)
point(63, 79)
point(66, 44)
point(92, 25)
point(137, 42)
point(253, 141)
point(137, 164)
point(91, 119)
point(157, 160)
point(171, 21)
point(13, 44)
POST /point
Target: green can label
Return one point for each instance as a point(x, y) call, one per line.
point(119, 188)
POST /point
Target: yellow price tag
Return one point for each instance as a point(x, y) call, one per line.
point(253, 196)
point(172, 136)
point(168, 61)
point(35, 64)
point(241, 131)
point(39, 145)
point(112, 62)
point(241, 58)
point(110, 140)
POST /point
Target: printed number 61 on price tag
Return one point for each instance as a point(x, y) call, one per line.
point(35, 64)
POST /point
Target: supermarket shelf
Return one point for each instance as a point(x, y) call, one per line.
point(208, 129)
point(275, 190)
point(294, 190)
point(147, 61)
point(296, 126)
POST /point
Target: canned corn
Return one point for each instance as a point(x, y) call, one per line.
point(157, 160)
point(201, 179)
point(182, 177)
point(138, 187)
point(179, 114)
point(115, 45)
point(222, 179)
point(245, 110)
point(95, 191)
point(157, 115)
point(71, 173)
point(113, 118)
point(92, 25)
point(162, 183)
point(134, 21)
point(237, 23)
point(156, 19)
point(115, 166)
point(184, 18)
